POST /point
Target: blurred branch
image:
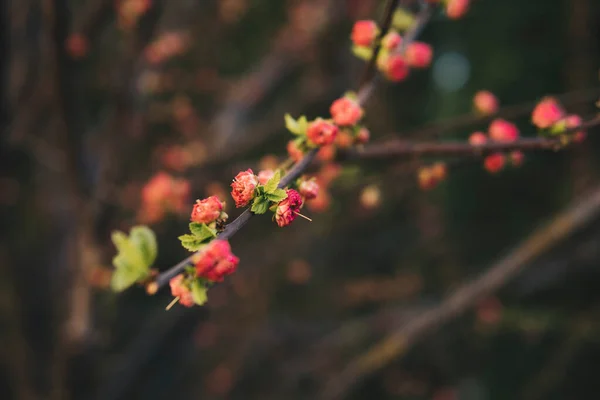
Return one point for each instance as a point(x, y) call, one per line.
point(399, 342)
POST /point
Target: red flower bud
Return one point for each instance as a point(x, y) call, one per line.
point(243, 188)
point(418, 55)
point(391, 41)
point(321, 132)
point(547, 113)
point(362, 136)
point(477, 139)
point(364, 33)
point(394, 67)
point(287, 208)
point(346, 112)
point(503, 131)
point(216, 261)
point(457, 8)
point(207, 210)
point(485, 103)
point(309, 189)
point(179, 289)
point(573, 121)
point(494, 162)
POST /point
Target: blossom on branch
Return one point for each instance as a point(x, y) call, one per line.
point(287, 209)
point(346, 111)
point(216, 261)
point(485, 103)
point(207, 210)
point(364, 33)
point(321, 132)
point(242, 188)
point(547, 113)
point(181, 290)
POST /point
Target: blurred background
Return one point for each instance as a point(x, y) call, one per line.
point(103, 95)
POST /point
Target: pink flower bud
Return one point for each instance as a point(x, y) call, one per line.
point(216, 261)
point(178, 289)
point(265, 175)
point(485, 103)
point(503, 131)
point(287, 208)
point(243, 188)
point(457, 8)
point(394, 67)
point(326, 153)
point(362, 136)
point(494, 162)
point(309, 189)
point(573, 121)
point(477, 139)
point(346, 112)
point(418, 55)
point(391, 41)
point(207, 210)
point(364, 33)
point(344, 139)
point(321, 132)
point(547, 113)
point(516, 158)
point(293, 151)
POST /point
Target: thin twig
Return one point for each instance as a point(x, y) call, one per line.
point(399, 342)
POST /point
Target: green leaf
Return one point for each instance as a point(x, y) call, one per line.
point(272, 183)
point(145, 240)
point(260, 205)
point(277, 195)
point(123, 278)
point(302, 125)
point(128, 250)
point(292, 125)
point(364, 53)
point(199, 292)
point(202, 231)
point(402, 20)
point(190, 242)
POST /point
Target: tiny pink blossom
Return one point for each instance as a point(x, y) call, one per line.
point(574, 121)
point(457, 8)
point(321, 132)
point(243, 188)
point(309, 189)
point(503, 131)
point(345, 111)
point(287, 208)
point(363, 136)
point(391, 41)
point(485, 102)
point(547, 113)
point(364, 33)
point(394, 67)
point(477, 139)
point(494, 162)
point(516, 158)
point(217, 261)
point(265, 175)
point(178, 289)
point(207, 210)
point(418, 55)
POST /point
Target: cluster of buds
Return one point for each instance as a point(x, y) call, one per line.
point(429, 177)
point(394, 60)
point(342, 130)
point(130, 11)
point(167, 45)
point(163, 194)
point(551, 118)
point(500, 131)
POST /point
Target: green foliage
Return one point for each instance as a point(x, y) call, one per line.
point(135, 255)
point(200, 234)
point(199, 291)
point(364, 53)
point(268, 193)
point(297, 127)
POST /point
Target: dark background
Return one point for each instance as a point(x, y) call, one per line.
point(83, 132)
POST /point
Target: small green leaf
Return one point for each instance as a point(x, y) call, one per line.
point(128, 250)
point(361, 52)
point(199, 292)
point(190, 242)
point(558, 128)
point(272, 183)
point(302, 125)
point(402, 20)
point(145, 240)
point(260, 205)
point(202, 231)
point(292, 125)
point(277, 195)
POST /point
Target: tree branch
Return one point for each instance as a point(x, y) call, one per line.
point(399, 342)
